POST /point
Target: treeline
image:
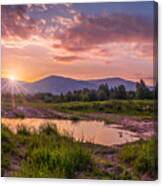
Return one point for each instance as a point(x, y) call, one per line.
point(101, 94)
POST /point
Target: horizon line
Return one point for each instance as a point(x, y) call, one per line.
point(92, 79)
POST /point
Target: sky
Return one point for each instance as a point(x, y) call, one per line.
point(81, 41)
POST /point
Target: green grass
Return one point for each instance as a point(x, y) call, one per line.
point(112, 106)
point(7, 148)
point(60, 162)
point(142, 157)
point(74, 118)
point(48, 154)
point(53, 155)
point(143, 108)
point(109, 121)
point(22, 131)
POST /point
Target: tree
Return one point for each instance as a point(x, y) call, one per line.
point(131, 94)
point(92, 95)
point(113, 93)
point(85, 94)
point(48, 97)
point(142, 91)
point(68, 96)
point(103, 92)
point(121, 92)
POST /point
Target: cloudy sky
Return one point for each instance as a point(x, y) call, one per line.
point(81, 41)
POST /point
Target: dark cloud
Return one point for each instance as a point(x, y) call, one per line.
point(16, 22)
point(92, 31)
point(66, 58)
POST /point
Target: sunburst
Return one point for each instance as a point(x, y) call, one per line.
point(12, 78)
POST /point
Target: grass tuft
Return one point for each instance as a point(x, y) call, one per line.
point(51, 155)
point(7, 148)
point(142, 157)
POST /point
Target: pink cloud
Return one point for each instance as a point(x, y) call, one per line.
point(16, 23)
point(92, 31)
point(114, 44)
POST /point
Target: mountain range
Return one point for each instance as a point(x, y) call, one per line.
point(59, 84)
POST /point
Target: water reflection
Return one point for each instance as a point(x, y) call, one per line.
point(88, 131)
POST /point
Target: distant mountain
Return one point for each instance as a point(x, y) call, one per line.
point(8, 86)
point(58, 84)
point(51, 84)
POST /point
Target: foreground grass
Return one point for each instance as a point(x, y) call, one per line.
point(142, 157)
point(7, 148)
point(50, 155)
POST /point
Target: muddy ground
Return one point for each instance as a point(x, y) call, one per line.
point(144, 128)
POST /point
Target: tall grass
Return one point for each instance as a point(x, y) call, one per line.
point(7, 148)
point(142, 157)
point(51, 155)
point(48, 154)
point(144, 108)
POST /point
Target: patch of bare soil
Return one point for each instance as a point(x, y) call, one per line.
point(143, 128)
point(107, 160)
point(16, 159)
point(33, 113)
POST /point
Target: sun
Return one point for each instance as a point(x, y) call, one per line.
point(12, 78)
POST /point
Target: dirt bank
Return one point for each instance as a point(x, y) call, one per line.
point(144, 128)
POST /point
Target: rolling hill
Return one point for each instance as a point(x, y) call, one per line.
point(58, 84)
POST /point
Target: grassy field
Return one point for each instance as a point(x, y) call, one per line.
point(49, 154)
point(43, 154)
point(145, 109)
point(126, 107)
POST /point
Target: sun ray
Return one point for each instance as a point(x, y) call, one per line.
point(12, 78)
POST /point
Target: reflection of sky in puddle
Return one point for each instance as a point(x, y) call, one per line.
point(88, 131)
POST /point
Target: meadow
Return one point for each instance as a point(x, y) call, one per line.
point(49, 154)
point(145, 109)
